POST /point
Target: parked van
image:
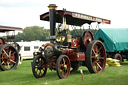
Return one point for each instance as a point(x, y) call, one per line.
point(27, 48)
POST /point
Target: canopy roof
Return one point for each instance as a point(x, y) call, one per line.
point(74, 18)
point(8, 28)
point(115, 39)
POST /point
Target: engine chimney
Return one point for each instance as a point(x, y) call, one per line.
point(52, 19)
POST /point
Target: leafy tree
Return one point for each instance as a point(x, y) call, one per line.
point(33, 33)
point(19, 37)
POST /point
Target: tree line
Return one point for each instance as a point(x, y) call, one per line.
point(33, 33)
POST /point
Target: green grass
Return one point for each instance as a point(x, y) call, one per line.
point(23, 76)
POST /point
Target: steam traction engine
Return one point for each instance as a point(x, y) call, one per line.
point(9, 49)
point(64, 50)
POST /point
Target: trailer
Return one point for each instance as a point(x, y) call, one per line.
point(115, 41)
point(67, 51)
point(28, 48)
point(9, 49)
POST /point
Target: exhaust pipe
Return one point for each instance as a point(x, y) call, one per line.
point(52, 19)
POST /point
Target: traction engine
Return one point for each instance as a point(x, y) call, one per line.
point(9, 49)
point(66, 51)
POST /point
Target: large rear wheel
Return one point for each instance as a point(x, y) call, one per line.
point(95, 57)
point(39, 67)
point(63, 66)
point(87, 38)
point(8, 57)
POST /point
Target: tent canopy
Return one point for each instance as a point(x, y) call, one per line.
point(115, 39)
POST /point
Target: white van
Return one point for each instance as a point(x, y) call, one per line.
point(27, 48)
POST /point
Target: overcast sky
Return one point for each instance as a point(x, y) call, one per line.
point(22, 13)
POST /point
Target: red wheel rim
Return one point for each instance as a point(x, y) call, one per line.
point(118, 58)
point(8, 59)
point(2, 42)
point(87, 38)
point(64, 67)
point(98, 57)
point(40, 69)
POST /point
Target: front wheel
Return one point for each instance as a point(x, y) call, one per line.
point(63, 66)
point(39, 67)
point(95, 57)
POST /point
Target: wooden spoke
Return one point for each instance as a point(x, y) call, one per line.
point(2, 63)
point(12, 61)
point(7, 49)
point(99, 65)
point(40, 72)
point(99, 53)
point(94, 51)
point(8, 65)
point(100, 48)
point(96, 66)
point(13, 53)
point(61, 65)
point(36, 66)
point(61, 72)
point(10, 53)
point(64, 61)
point(43, 69)
point(5, 53)
point(92, 56)
point(101, 57)
point(94, 62)
point(3, 58)
point(65, 70)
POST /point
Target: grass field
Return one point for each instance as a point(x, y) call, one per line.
point(23, 76)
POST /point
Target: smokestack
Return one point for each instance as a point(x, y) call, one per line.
point(52, 19)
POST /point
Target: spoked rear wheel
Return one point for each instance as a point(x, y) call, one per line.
point(8, 57)
point(95, 57)
point(63, 66)
point(118, 57)
point(88, 37)
point(39, 68)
